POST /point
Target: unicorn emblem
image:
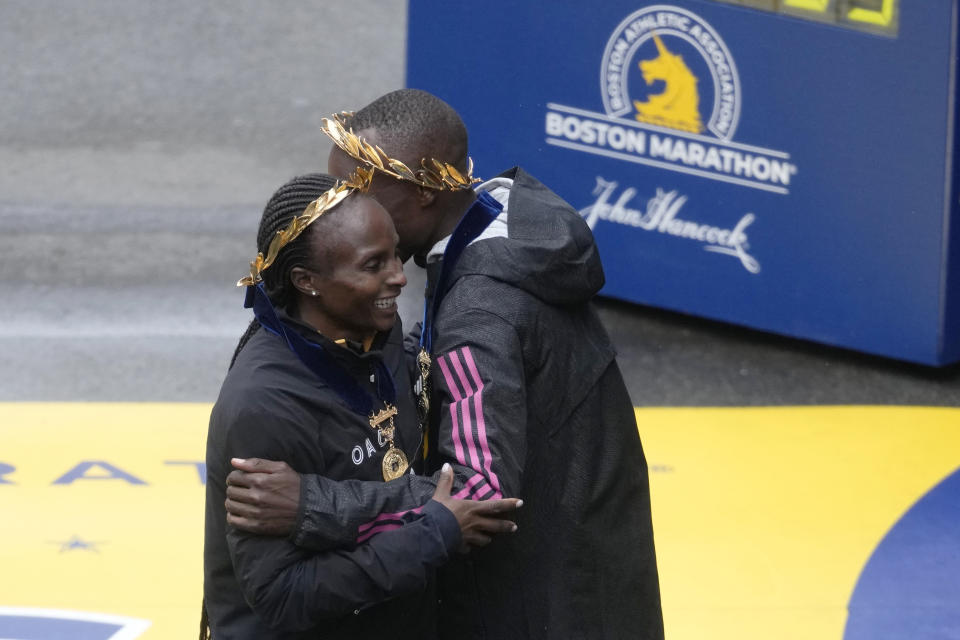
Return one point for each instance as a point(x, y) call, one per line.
point(678, 107)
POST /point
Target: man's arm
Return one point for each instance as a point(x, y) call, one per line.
point(270, 498)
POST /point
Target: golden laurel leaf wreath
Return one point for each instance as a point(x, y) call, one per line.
point(432, 173)
point(359, 180)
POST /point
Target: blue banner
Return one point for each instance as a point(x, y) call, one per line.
point(783, 168)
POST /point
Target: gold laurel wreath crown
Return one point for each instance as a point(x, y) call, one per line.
point(432, 173)
point(359, 180)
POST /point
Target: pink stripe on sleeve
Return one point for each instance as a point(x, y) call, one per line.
point(465, 408)
point(387, 516)
point(481, 423)
point(452, 386)
point(483, 493)
point(378, 529)
point(474, 481)
point(382, 523)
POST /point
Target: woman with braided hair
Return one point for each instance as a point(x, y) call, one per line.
point(320, 381)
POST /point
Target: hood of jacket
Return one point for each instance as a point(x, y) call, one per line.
point(549, 250)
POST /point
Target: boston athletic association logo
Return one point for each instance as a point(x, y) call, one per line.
point(671, 98)
point(679, 58)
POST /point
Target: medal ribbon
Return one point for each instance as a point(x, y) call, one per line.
point(478, 217)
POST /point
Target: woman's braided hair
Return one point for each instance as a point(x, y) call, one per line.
point(288, 202)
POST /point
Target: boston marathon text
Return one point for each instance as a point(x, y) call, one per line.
point(597, 136)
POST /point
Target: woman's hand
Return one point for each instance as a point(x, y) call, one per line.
point(479, 520)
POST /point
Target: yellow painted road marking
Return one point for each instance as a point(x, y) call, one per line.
point(767, 515)
point(138, 548)
point(763, 517)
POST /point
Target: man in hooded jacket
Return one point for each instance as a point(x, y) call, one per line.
point(527, 399)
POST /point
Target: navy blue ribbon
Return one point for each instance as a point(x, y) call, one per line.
point(316, 358)
point(478, 217)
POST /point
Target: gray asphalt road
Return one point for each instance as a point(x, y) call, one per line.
point(139, 142)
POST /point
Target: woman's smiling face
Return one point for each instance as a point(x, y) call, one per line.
point(357, 291)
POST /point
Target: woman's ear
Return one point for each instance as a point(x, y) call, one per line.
point(305, 281)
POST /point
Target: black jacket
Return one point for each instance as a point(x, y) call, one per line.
point(528, 401)
point(271, 406)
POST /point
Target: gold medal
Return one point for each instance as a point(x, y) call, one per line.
point(394, 464)
point(384, 415)
point(394, 460)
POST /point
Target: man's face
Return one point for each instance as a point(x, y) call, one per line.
point(415, 226)
point(358, 293)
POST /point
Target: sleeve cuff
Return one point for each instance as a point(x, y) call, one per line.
point(446, 524)
point(296, 535)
